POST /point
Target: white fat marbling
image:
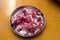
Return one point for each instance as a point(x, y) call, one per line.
point(36, 31)
point(29, 34)
point(35, 20)
point(18, 28)
point(22, 32)
point(28, 10)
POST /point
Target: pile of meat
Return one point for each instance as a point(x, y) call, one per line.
point(27, 21)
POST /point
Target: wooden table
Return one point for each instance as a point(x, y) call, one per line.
point(50, 10)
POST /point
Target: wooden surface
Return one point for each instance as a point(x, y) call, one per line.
point(48, 8)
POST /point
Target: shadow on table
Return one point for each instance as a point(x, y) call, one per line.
point(56, 2)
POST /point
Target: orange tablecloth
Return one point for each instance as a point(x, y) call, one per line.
point(49, 9)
